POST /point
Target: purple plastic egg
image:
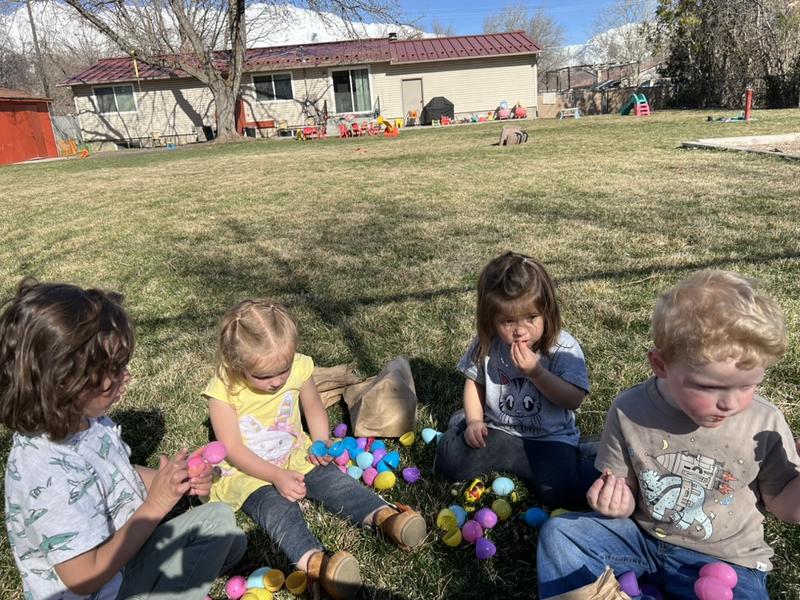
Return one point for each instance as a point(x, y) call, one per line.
point(652, 591)
point(722, 571)
point(484, 549)
point(236, 587)
point(361, 442)
point(377, 455)
point(343, 458)
point(486, 518)
point(628, 584)
point(369, 475)
point(471, 531)
point(711, 588)
point(340, 430)
point(411, 474)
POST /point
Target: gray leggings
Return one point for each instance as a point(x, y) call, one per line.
point(554, 471)
point(283, 521)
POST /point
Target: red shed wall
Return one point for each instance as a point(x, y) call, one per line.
point(25, 131)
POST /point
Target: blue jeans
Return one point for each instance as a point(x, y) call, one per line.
point(554, 471)
point(283, 521)
point(575, 548)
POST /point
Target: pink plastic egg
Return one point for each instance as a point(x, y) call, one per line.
point(342, 468)
point(215, 452)
point(343, 458)
point(486, 518)
point(236, 587)
point(722, 571)
point(195, 465)
point(711, 588)
point(484, 549)
point(471, 531)
point(369, 475)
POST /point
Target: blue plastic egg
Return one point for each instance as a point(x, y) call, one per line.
point(336, 449)
point(428, 435)
point(318, 448)
point(392, 459)
point(355, 472)
point(378, 445)
point(364, 460)
point(350, 444)
point(256, 578)
point(460, 513)
point(382, 467)
point(502, 486)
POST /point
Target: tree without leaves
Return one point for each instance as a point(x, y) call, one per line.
point(620, 31)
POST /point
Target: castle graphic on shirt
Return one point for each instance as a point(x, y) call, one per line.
point(678, 497)
point(275, 443)
point(520, 405)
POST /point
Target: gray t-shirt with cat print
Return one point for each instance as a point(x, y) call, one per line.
point(514, 404)
point(63, 499)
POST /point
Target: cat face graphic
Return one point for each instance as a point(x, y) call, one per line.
point(519, 403)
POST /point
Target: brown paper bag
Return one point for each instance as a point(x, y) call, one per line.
point(384, 405)
point(605, 588)
point(332, 381)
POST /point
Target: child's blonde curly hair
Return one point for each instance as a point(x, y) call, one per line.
point(717, 315)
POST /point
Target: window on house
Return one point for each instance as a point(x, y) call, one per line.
point(115, 98)
point(351, 90)
point(273, 87)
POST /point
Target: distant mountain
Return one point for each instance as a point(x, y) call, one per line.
point(610, 46)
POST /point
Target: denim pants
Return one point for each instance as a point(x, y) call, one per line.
point(575, 548)
point(283, 521)
point(183, 556)
point(554, 471)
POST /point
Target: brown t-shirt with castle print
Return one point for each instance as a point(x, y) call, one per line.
point(700, 488)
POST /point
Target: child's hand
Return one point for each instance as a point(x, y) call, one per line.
point(290, 484)
point(475, 434)
point(525, 359)
point(611, 496)
point(320, 461)
point(170, 483)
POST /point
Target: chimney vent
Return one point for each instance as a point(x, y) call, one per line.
point(392, 36)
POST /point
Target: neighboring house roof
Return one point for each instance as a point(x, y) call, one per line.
point(328, 54)
point(9, 94)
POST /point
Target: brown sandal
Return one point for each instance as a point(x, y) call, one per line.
point(404, 526)
point(339, 575)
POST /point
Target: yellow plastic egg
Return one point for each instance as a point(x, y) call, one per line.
point(273, 580)
point(501, 508)
point(452, 538)
point(385, 480)
point(408, 438)
point(296, 583)
point(446, 520)
point(559, 511)
point(257, 594)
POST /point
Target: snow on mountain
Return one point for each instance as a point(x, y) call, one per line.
point(610, 46)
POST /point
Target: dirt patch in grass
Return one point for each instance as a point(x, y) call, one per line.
point(786, 145)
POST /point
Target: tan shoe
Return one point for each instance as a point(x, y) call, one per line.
point(339, 575)
point(404, 526)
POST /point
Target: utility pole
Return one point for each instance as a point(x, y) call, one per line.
point(39, 62)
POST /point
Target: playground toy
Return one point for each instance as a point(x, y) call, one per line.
point(745, 116)
point(390, 128)
point(637, 103)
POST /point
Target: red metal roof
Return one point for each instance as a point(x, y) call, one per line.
point(328, 54)
point(9, 94)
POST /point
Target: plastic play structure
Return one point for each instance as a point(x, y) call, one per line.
point(637, 103)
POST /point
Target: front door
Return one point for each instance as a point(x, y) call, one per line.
point(412, 97)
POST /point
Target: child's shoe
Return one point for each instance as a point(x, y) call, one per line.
point(339, 575)
point(404, 526)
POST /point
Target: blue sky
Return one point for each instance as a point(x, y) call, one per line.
point(466, 16)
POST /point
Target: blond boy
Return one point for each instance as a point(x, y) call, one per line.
point(689, 456)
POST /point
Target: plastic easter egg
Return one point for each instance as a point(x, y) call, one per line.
point(215, 452)
point(319, 448)
point(651, 592)
point(502, 509)
point(257, 594)
point(411, 474)
point(256, 578)
point(484, 549)
point(502, 486)
point(711, 588)
point(362, 442)
point(370, 441)
point(342, 468)
point(369, 475)
point(460, 513)
point(385, 480)
point(350, 444)
point(336, 449)
point(355, 472)
point(378, 445)
point(377, 455)
point(446, 520)
point(535, 517)
point(296, 583)
point(236, 587)
point(629, 584)
point(364, 460)
point(559, 511)
point(340, 430)
point(486, 518)
point(408, 438)
point(273, 580)
point(382, 466)
point(392, 459)
point(452, 538)
point(195, 465)
point(722, 571)
point(343, 458)
point(428, 435)
point(471, 531)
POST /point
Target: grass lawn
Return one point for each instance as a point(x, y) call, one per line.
point(375, 245)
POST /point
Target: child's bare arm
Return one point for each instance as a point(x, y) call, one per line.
point(474, 398)
point(90, 571)
point(314, 411)
point(786, 504)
